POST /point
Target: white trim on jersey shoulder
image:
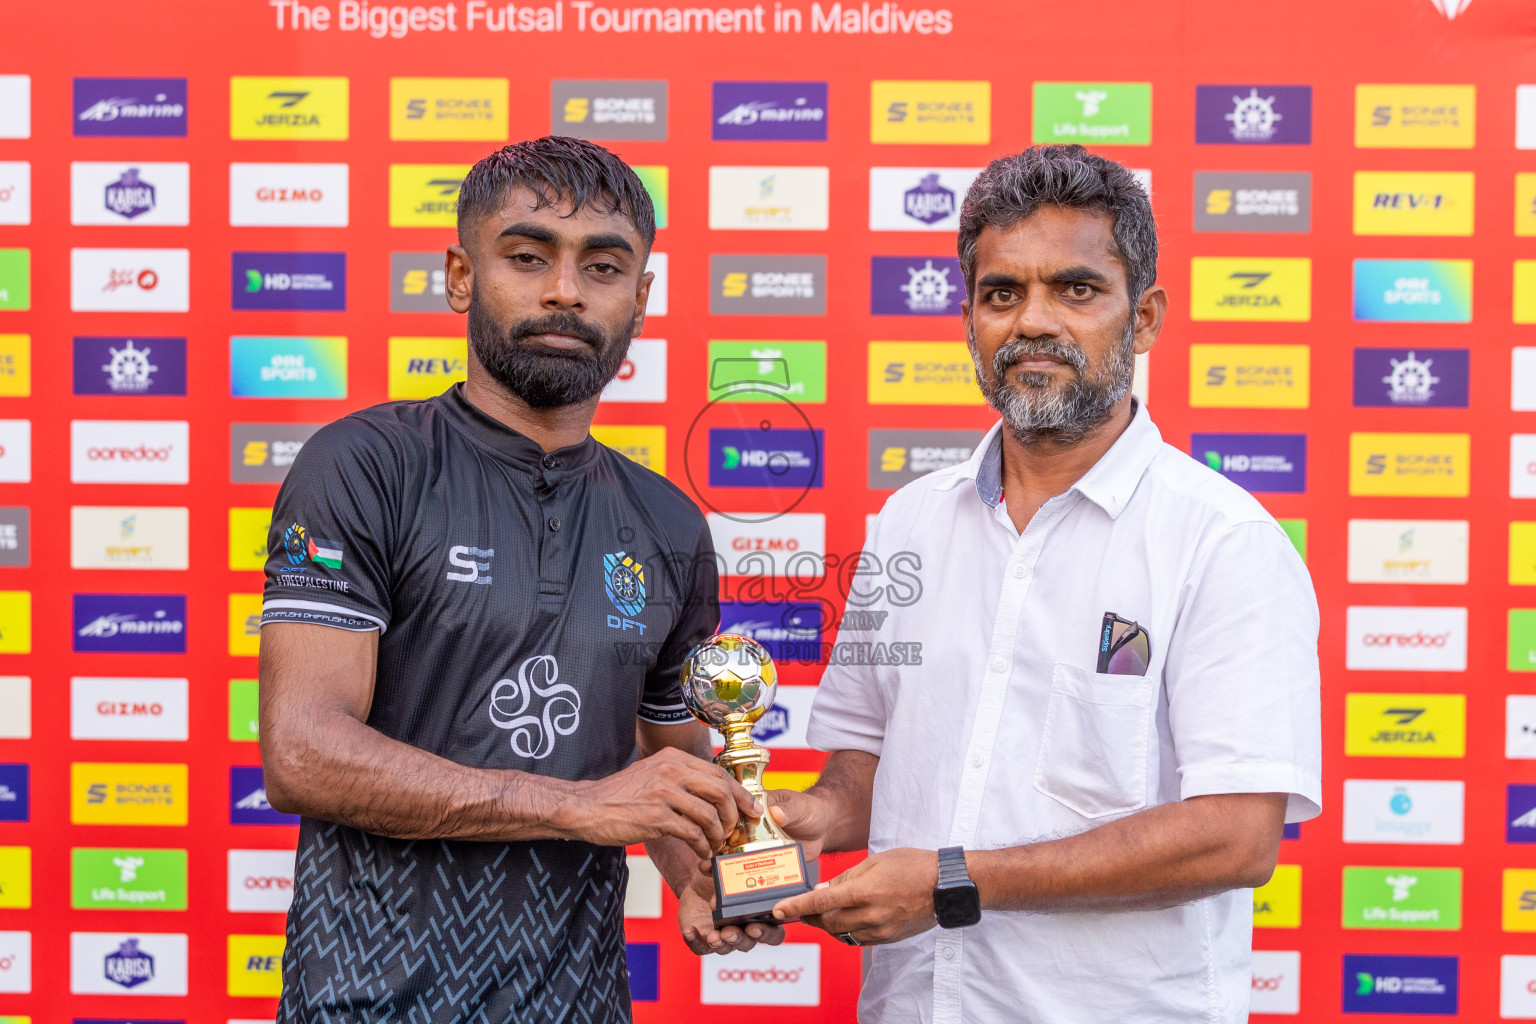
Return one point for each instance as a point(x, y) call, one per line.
point(318, 606)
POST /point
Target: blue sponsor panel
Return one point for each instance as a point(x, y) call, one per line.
point(1401, 984)
point(248, 800)
point(124, 107)
point(15, 792)
point(287, 367)
point(791, 631)
point(130, 366)
point(130, 623)
point(915, 286)
point(745, 457)
point(644, 971)
point(1261, 463)
point(1419, 378)
point(1253, 115)
point(772, 111)
point(289, 280)
point(1414, 291)
point(1520, 813)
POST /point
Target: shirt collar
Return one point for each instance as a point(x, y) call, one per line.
point(514, 447)
point(1109, 483)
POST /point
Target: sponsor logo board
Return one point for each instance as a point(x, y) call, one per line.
point(260, 453)
point(897, 457)
point(922, 373)
point(794, 541)
point(768, 198)
point(1246, 289)
point(1520, 799)
point(15, 279)
point(1519, 900)
point(1262, 463)
point(790, 631)
point(128, 451)
point(127, 794)
point(1413, 202)
point(1525, 292)
point(1525, 117)
point(1415, 116)
point(642, 377)
point(424, 367)
point(1093, 113)
point(127, 964)
point(1517, 975)
point(1405, 639)
point(1412, 378)
point(248, 800)
point(287, 367)
point(616, 110)
point(1413, 291)
point(1277, 903)
point(937, 112)
point(129, 280)
point(425, 195)
point(766, 371)
point(1404, 811)
point(1403, 898)
point(255, 965)
point(776, 111)
point(1250, 376)
point(657, 181)
point(130, 366)
point(15, 365)
point(768, 285)
point(15, 537)
point(313, 108)
point(15, 709)
point(289, 195)
point(243, 718)
point(128, 537)
point(645, 445)
point(16, 965)
point(15, 106)
point(1251, 201)
point(140, 194)
point(1408, 550)
point(128, 107)
point(1253, 115)
point(1405, 724)
point(642, 897)
point(418, 283)
point(15, 622)
point(15, 879)
point(918, 198)
point(915, 286)
point(1400, 984)
point(1525, 204)
point(1276, 982)
point(132, 879)
point(756, 457)
point(784, 975)
point(130, 623)
point(15, 451)
point(15, 792)
point(260, 881)
point(127, 709)
point(15, 187)
point(288, 280)
point(1409, 465)
point(443, 109)
point(248, 529)
point(643, 963)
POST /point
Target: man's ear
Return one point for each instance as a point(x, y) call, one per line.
point(1149, 318)
point(642, 296)
point(461, 278)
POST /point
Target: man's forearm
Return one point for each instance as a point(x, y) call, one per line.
point(846, 786)
point(1161, 857)
point(343, 770)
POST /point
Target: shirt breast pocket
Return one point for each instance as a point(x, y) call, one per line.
point(1093, 750)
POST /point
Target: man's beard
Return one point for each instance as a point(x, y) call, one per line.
point(547, 378)
point(1035, 408)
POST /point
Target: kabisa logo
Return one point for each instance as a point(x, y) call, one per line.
point(1412, 378)
point(1400, 984)
point(758, 457)
point(914, 286)
point(130, 196)
point(928, 201)
point(130, 366)
point(289, 280)
point(138, 623)
point(535, 727)
point(624, 581)
point(300, 547)
point(121, 107)
point(1520, 813)
point(129, 966)
point(248, 803)
point(790, 632)
point(1253, 114)
point(623, 110)
point(1264, 463)
point(781, 111)
point(288, 108)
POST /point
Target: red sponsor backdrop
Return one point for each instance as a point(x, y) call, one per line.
point(1175, 46)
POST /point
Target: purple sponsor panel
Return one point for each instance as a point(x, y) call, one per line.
point(1262, 463)
point(1520, 813)
point(753, 457)
point(915, 286)
point(776, 111)
point(248, 800)
point(119, 107)
point(289, 280)
point(131, 623)
point(1247, 115)
point(1401, 984)
point(791, 631)
point(15, 792)
point(130, 366)
point(1419, 378)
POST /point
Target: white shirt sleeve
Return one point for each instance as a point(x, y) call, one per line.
point(849, 712)
point(1242, 673)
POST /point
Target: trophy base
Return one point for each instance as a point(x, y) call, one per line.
point(749, 884)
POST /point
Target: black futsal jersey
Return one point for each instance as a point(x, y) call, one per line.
point(530, 607)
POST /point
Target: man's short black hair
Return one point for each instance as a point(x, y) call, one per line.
point(1012, 188)
point(558, 169)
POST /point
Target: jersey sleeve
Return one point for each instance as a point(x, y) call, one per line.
point(332, 532)
point(1242, 675)
point(662, 700)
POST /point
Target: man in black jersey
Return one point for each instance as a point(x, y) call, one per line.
point(474, 620)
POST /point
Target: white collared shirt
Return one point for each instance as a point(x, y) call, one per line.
point(1006, 733)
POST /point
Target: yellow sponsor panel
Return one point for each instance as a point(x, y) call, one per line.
point(442, 109)
point(645, 445)
point(256, 965)
point(15, 365)
point(1277, 903)
point(288, 108)
point(424, 367)
point(1250, 376)
point(1261, 288)
point(15, 621)
point(127, 794)
point(15, 877)
point(1522, 553)
point(958, 113)
point(922, 373)
point(425, 195)
point(245, 624)
point(1413, 202)
point(798, 781)
point(1405, 724)
point(1519, 900)
point(248, 529)
point(1415, 116)
point(1525, 291)
point(1525, 204)
point(1410, 465)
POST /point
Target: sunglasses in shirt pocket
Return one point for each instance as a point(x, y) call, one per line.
point(1093, 749)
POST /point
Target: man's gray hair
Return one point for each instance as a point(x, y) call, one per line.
point(1012, 188)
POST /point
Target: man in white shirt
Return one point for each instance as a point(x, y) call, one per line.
point(1117, 708)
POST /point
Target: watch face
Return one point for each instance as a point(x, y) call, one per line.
point(955, 906)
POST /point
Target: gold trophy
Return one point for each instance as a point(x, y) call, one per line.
point(728, 684)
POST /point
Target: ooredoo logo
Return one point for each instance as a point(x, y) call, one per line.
point(15, 961)
point(260, 881)
point(1276, 982)
point(787, 975)
point(1406, 638)
point(770, 976)
point(128, 451)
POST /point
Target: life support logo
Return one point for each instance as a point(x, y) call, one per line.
point(536, 708)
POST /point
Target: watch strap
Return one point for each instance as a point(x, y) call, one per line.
point(952, 866)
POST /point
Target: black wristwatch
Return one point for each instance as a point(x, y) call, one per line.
point(955, 900)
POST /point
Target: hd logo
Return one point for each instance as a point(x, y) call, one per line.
point(288, 108)
point(1405, 724)
point(954, 113)
point(443, 109)
point(425, 195)
point(1413, 203)
point(1270, 288)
